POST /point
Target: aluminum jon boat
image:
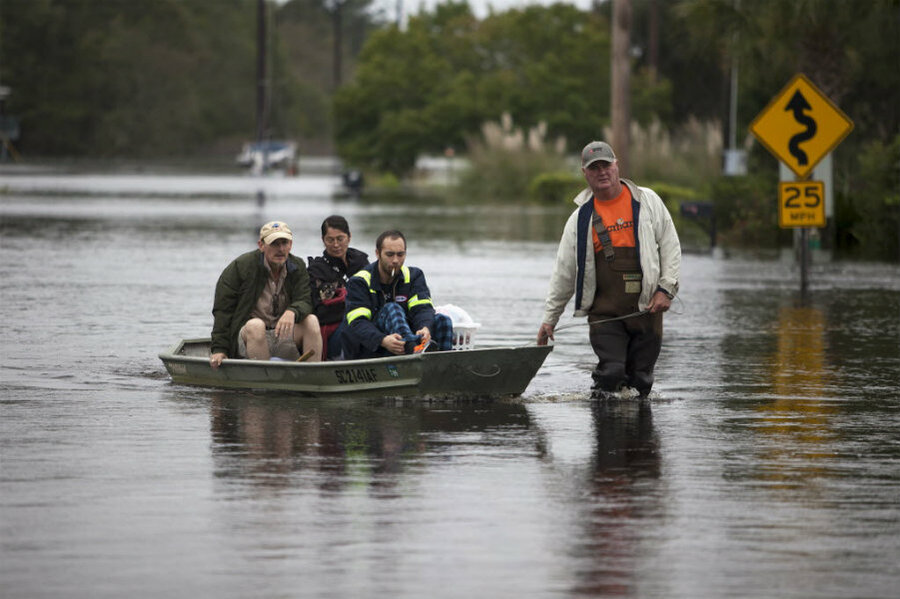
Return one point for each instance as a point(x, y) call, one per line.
point(457, 374)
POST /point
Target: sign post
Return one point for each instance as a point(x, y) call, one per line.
point(800, 126)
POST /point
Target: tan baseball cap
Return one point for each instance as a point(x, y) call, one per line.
point(597, 150)
point(275, 230)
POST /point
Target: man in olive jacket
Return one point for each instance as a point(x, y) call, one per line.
point(262, 306)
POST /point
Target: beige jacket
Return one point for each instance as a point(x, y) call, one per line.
point(658, 247)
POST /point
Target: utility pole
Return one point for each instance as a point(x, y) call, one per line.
point(260, 70)
point(338, 43)
point(734, 158)
point(653, 41)
point(621, 83)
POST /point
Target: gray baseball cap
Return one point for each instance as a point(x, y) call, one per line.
point(597, 150)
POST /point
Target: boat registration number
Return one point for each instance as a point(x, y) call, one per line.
point(346, 376)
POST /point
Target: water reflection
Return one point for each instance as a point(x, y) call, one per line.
point(282, 443)
point(622, 496)
point(793, 430)
point(627, 448)
point(464, 224)
point(799, 364)
point(770, 469)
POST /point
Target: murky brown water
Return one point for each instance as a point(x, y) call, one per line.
point(769, 465)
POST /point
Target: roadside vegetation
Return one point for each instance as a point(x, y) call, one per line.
point(515, 94)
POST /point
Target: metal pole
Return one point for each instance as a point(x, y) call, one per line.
point(338, 44)
point(260, 70)
point(804, 261)
point(733, 90)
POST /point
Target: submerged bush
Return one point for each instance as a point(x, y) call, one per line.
point(868, 214)
point(746, 210)
point(556, 187)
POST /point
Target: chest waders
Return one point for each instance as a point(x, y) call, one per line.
point(626, 349)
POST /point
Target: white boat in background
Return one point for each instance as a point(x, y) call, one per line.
point(268, 154)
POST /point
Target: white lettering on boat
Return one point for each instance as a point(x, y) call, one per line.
point(355, 375)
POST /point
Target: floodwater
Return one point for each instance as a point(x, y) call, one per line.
point(767, 466)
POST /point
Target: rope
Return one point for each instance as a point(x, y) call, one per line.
point(605, 320)
point(582, 323)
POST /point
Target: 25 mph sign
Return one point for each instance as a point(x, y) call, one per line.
point(801, 204)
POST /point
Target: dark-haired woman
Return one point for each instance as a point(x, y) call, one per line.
point(328, 275)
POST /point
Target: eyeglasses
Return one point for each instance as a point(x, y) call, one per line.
point(340, 240)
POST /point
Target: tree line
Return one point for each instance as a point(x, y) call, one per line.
point(167, 78)
point(164, 78)
point(153, 77)
point(431, 85)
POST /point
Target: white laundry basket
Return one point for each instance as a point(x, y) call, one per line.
point(463, 326)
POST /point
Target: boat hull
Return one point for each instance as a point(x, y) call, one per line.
point(470, 373)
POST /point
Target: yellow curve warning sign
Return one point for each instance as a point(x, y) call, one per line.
point(801, 125)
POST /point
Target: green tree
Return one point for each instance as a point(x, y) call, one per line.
point(127, 78)
point(871, 207)
point(304, 73)
point(849, 49)
point(449, 73)
point(380, 117)
point(167, 77)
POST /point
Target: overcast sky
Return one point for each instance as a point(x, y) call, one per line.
point(479, 7)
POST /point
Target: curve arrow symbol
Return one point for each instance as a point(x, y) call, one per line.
point(798, 104)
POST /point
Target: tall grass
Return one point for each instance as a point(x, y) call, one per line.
point(688, 156)
point(505, 159)
point(516, 163)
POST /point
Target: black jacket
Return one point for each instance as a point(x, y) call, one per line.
point(327, 281)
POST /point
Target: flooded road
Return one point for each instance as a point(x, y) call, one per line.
point(769, 465)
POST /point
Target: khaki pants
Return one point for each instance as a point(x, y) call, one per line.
point(283, 348)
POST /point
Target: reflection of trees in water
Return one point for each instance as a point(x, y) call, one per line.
point(467, 223)
point(624, 497)
point(288, 442)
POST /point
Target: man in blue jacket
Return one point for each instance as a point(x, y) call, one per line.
point(386, 302)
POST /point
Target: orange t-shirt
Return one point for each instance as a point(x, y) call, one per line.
point(618, 217)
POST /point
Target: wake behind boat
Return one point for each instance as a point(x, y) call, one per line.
point(459, 374)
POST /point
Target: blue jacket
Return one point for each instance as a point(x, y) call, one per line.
point(366, 295)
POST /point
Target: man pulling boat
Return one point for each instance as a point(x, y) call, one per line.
point(620, 257)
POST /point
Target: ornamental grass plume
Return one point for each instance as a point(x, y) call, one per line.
point(690, 155)
point(505, 159)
